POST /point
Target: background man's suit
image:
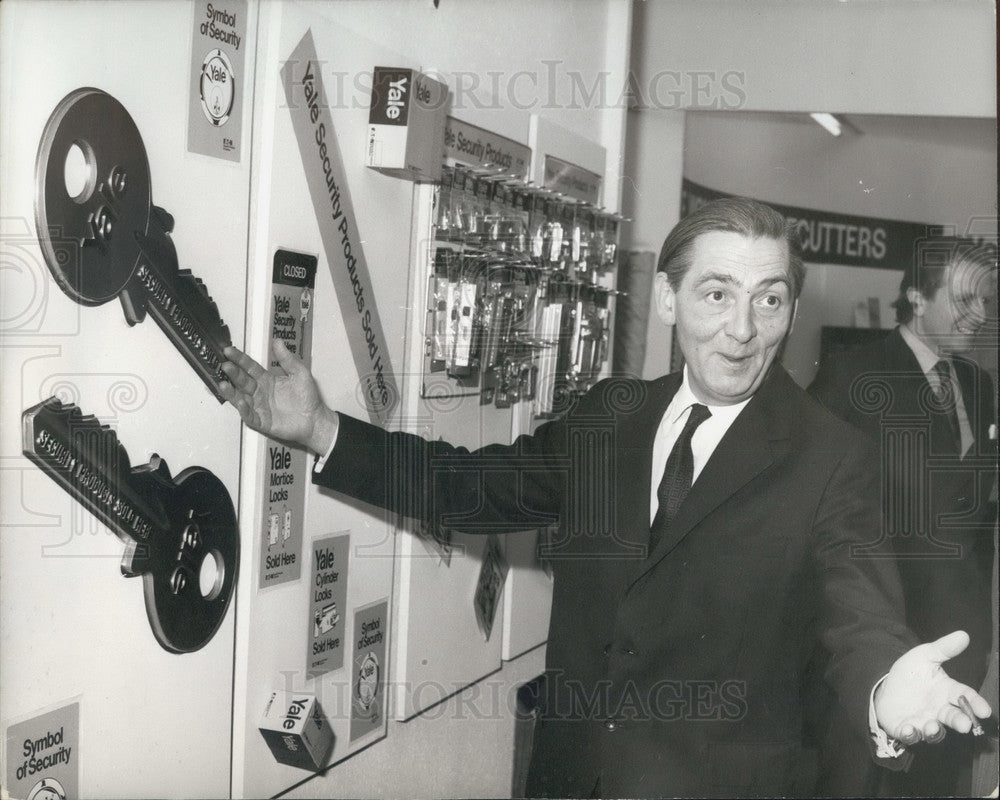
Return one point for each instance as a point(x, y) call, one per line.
point(676, 674)
point(881, 389)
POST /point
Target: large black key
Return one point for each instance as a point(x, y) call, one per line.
point(170, 526)
point(122, 241)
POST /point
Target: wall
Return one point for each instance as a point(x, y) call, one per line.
point(931, 170)
point(651, 198)
point(890, 57)
point(505, 61)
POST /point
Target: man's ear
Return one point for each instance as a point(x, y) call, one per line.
point(795, 314)
point(917, 300)
point(664, 297)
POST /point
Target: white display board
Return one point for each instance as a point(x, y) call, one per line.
point(307, 631)
point(527, 596)
point(440, 646)
point(148, 722)
point(527, 593)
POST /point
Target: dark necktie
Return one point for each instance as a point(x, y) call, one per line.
point(677, 474)
point(947, 398)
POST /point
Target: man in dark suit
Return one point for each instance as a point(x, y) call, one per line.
point(929, 410)
point(681, 620)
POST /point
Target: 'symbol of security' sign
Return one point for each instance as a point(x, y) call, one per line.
point(331, 199)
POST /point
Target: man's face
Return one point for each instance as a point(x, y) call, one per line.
point(732, 311)
point(949, 321)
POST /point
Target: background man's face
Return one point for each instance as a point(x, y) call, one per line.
point(949, 321)
point(732, 311)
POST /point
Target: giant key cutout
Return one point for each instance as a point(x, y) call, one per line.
point(180, 533)
point(92, 187)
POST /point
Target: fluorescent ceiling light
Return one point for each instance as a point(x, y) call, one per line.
point(828, 121)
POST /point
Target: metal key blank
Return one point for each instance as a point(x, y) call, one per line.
point(122, 241)
point(180, 533)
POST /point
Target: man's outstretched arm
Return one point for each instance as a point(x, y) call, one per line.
point(283, 402)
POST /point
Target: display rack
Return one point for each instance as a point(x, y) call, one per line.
point(516, 306)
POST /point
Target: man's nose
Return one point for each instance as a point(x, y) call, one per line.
point(741, 324)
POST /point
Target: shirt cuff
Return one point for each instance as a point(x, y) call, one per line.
point(884, 746)
point(321, 460)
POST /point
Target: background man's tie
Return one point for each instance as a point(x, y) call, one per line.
point(946, 396)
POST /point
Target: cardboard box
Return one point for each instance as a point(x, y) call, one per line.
point(406, 124)
point(295, 729)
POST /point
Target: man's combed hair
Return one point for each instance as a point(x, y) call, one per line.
point(741, 215)
point(927, 269)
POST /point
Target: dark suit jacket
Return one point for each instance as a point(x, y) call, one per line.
point(937, 512)
point(677, 673)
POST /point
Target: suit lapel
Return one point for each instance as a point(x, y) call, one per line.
point(903, 374)
point(752, 443)
point(635, 463)
point(898, 354)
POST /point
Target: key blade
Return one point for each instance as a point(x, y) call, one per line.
point(86, 459)
point(181, 306)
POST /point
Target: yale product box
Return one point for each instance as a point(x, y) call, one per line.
point(406, 124)
point(295, 729)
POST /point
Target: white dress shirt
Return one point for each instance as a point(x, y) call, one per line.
point(703, 443)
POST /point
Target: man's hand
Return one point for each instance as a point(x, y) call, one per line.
point(283, 403)
point(917, 699)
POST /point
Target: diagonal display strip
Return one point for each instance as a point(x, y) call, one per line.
point(331, 199)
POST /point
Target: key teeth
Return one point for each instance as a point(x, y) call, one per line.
point(72, 422)
point(72, 412)
point(203, 306)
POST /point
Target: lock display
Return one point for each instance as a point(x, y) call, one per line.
point(519, 295)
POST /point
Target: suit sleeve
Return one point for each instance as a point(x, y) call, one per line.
point(495, 489)
point(861, 618)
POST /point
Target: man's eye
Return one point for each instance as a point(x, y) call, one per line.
point(716, 296)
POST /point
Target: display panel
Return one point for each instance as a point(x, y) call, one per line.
point(317, 207)
point(98, 140)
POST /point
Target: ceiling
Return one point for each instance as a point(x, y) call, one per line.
point(972, 132)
